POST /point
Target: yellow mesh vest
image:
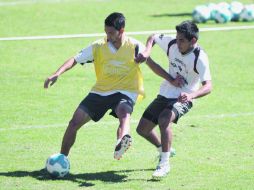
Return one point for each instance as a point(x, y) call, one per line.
point(117, 71)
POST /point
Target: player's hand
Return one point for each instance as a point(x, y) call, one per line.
point(140, 58)
point(50, 81)
point(178, 81)
point(184, 97)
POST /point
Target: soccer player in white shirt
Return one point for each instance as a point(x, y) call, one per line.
point(188, 68)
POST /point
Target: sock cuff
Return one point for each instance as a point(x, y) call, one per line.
point(118, 141)
point(165, 156)
point(159, 149)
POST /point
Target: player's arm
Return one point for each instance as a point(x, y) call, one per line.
point(205, 89)
point(149, 44)
point(157, 69)
point(141, 57)
point(84, 56)
point(70, 63)
point(205, 76)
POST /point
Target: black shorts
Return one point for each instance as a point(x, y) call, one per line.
point(160, 103)
point(96, 105)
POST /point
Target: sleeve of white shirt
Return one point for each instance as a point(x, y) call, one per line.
point(140, 45)
point(85, 55)
point(163, 41)
point(203, 67)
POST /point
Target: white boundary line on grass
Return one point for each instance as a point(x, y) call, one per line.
point(29, 2)
point(16, 3)
point(107, 123)
point(128, 33)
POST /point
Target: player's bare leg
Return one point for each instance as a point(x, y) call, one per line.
point(123, 112)
point(146, 129)
point(80, 117)
point(165, 121)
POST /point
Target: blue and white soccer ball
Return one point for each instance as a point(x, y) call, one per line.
point(222, 15)
point(236, 9)
point(223, 5)
point(201, 13)
point(247, 13)
point(58, 165)
point(212, 7)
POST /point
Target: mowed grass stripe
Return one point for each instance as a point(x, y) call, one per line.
point(108, 123)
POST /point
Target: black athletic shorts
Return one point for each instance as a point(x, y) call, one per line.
point(96, 105)
point(160, 103)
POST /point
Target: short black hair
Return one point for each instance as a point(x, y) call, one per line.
point(189, 29)
point(116, 20)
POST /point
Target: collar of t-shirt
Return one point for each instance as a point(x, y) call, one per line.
point(112, 47)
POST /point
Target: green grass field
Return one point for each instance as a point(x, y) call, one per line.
point(214, 142)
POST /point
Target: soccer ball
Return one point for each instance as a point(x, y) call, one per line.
point(222, 15)
point(201, 13)
point(247, 13)
point(236, 9)
point(212, 7)
point(58, 165)
point(223, 5)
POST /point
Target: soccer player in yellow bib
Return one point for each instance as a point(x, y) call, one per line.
point(119, 82)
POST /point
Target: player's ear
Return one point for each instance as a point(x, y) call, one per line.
point(194, 40)
point(121, 30)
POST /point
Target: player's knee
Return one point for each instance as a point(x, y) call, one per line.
point(141, 131)
point(73, 125)
point(123, 111)
point(164, 120)
point(122, 114)
point(144, 127)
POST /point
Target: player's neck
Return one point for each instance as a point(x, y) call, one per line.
point(117, 44)
point(188, 51)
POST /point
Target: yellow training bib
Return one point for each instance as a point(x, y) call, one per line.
point(117, 71)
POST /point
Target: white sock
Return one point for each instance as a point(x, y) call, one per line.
point(159, 149)
point(118, 141)
point(165, 157)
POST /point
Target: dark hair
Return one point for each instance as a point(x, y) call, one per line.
point(189, 29)
point(116, 20)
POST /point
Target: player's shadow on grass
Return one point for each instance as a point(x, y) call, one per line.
point(81, 179)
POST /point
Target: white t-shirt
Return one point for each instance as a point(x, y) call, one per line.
point(183, 65)
point(86, 56)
